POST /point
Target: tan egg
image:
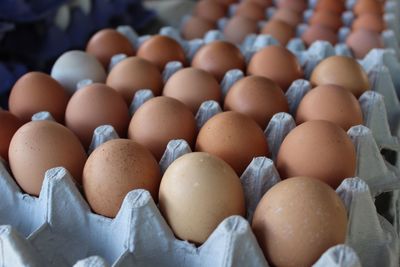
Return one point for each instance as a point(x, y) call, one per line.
point(219, 57)
point(133, 74)
point(342, 71)
point(327, 19)
point(251, 10)
point(296, 5)
point(297, 220)
point(318, 32)
point(280, 30)
point(192, 87)
point(9, 125)
point(262, 3)
point(160, 50)
point(196, 27)
point(234, 137)
point(362, 41)
point(331, 6)
point(238, 27)
point(160, 120)
point(289, 16)
point(113, 170)
point(41, 145)
point(276, 63)
point(210, 10)
point(332, 103)
point(369, 21)
point(368, 6)
point(197, 192)
point(35, 92)
point(318, 149)
point(257, 97)
point(106, 43)
point(95, 105)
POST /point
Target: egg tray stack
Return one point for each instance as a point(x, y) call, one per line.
point(58, 228)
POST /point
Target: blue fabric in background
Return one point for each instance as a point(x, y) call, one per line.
point(30, 40)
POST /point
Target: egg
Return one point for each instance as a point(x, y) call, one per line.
point(95, 105)
point(332, 103)
point(192, 87)
point(160, 120)
point(210, 10)
point(251, 10)
point(106, 43)
point(280, 30)
point(262, 3)
point(289, 16)
point(368, 6)
point(319, 149)
point(219, 57)
point(234, 137)
point(75, 66)
point(327, 19)
point(362, 41)
point(318, 32)
point(115, 168)
point(296, 5)
point(197, 192)
point(331, 6)
point(276, 63)
point(257, 97)
point(226, 2)
point(41, 145)
point(196, 27)
point(297, 220)
point(133, 74)
point(342, 71)
point(9, 125)
point(238, 27)
point(35, 92)
point(369, 21)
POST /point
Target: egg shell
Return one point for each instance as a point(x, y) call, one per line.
point(9, 125)
point(238, 27)
point(362, 41)
point(262, 3)
point(280, 30)
point(318, 32)
point(196, 27)
point(327, 19)
point(251, 10)
point(369, 21)
point(289, 16)
point(368, 6)
point(331, 6)
point(210, 10)
point(296, 5)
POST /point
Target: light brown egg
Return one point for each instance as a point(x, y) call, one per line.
point(106, 43)
point(41, 145)
point(234, 137)
point(238, 27)
point(318, 149)
point(9, 125)
point(251, 10)
point(133, 74)
point(369, 21)
point(280, 30)
point(368, 6)
point(95, 105)
point(197, 192)
point(342, 71)
point(297, 220)
point(192, 87)
point(296, 5)
point(35, 92)
point(219, 57)
point(327, 19)
point(210, 10)
point(257, 97)
point(160, 50)
point(276, 63)
point(196, 27)
point(289, 16)
point(362, 41)
point(318, 32)
point(262, 3)
point(332, 103)
point(160, 120)
point(115, 168)
point(331, 6)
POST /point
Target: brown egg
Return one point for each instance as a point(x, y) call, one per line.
point(196, 27)
point(95, 105)
point(251, 10)
point(192, 87)
point(160, 50)
point(197, 192)
point(257, 97)
point(133, 74)
point(9, 125)
point(219, 57)
point(296, 5)
point(238, 27)
point(210, 10)
point(289, 16)
point(327, 19)
point(106, 43)
point(332, 103)
point(297, 220)
point(280, 30)
point(368, 6)
point(41, 145)
point(362, 41)
point(276, 63)
point(318, 149)
point(369, 21)
point(318, 32)
point(226, 2)
point(262, 3)
point(35, 92)
point(342, 71)
point(115, 168)
point(331, 6)
point(160, 120)
point(234, 137)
